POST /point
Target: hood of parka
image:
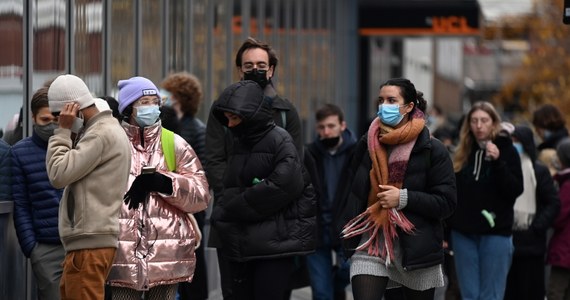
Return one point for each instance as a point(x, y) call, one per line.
point(245, 99)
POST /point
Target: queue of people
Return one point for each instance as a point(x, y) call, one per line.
point(110, 195)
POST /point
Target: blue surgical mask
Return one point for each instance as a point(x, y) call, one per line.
point(547, 133)
point(166, 98)
point(390, 114)
point(147, 115)
point(519, 147)
point(431, 120)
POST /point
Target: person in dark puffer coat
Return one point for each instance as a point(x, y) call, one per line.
point(36, 201)
point(534, 212)
point(267, 211)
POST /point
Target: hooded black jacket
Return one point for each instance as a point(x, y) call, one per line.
point(219, 143)
point(431, 198)
point(267, 205)
point(532, 242)
point(498, 185)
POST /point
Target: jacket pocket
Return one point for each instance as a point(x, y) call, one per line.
point(70, 204)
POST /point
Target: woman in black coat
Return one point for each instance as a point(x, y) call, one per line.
point(489, 179)
point(402, 187)
point(267, 212)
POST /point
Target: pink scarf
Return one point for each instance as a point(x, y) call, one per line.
point(385, 171)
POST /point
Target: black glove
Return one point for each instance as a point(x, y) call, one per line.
point(138, 192)
point(144, 184)
point(161, 183)
point(134, 199)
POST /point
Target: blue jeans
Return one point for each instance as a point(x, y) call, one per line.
point(482, 264)
point(325, 280)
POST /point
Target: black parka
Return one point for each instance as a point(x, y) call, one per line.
point(430, 182)
point(267, 206)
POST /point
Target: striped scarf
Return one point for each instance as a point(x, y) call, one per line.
point(387, 169)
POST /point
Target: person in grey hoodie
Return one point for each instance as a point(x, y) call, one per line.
point(94, 170)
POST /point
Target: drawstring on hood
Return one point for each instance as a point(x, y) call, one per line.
point(479, 156)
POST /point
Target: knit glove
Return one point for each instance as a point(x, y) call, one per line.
point(143, 185)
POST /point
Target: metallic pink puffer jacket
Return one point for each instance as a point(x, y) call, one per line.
point(156, 246)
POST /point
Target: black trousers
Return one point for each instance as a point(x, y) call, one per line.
point(526, 279)
point(225, 276)
point(261, 279)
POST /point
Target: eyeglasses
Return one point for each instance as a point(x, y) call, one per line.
point(246, 67)
point(147, 102)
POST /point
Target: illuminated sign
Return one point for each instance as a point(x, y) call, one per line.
point(419, 18)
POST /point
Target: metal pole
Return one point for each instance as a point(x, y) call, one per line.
point(208, 93)
point(28, 67)
point(229, 42)
point(138, 37)
point(106, 47)
point(70, 37)
point(189, 36)
point(165, 31)
point(245, 19)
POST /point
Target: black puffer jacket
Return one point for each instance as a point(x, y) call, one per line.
point(267, 206)
point(431, 198)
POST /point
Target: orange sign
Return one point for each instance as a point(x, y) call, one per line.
point(440, 25)
point(451, 24)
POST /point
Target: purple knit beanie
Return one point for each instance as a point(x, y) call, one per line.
point(130, 90)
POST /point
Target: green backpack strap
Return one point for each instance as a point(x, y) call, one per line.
point(168, 148)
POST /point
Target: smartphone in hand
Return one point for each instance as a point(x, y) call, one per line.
point(148, 170)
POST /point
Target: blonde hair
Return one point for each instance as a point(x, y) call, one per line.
point(466, 137)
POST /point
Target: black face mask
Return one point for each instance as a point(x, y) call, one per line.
point(259, 76)
point(237, 131)
point(45, 131)
point(330, 142)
